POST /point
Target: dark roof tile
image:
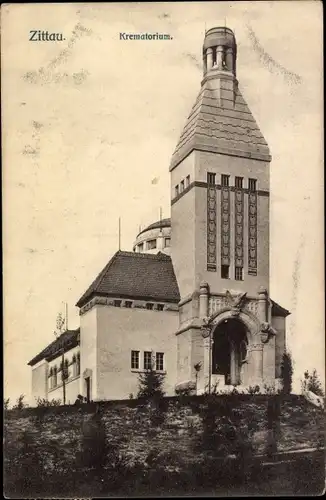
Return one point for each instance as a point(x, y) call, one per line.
point(66, 341)
point(136, 275)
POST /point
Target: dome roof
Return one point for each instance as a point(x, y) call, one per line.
point(157, 225)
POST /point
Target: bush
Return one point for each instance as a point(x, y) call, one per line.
point(312, 383)
point(42, 402)
point(20, 404)
point(150, 384)
point(287, 373)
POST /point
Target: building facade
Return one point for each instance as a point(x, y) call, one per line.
point(193, 296)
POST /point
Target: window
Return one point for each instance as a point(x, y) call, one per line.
point(74, 365)
point(182, 186)
point(225, 180)
point(147, 360)
point(160, 307)
point(211, 178)
point(225, 272)
point(78, 364)
point(239, 182)
point(176, 190)
point(140, 247)
point(151, 244)
point(167, 242)
point(117, 303)
point(252, 184)
point(239, 273)
point(134, 360)
point(51, 378)
point(149, 306)
point(55, 377)
point(128, 304)
point(160, 361)
point(188, 181)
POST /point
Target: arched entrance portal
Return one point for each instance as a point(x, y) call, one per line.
point(229, 350)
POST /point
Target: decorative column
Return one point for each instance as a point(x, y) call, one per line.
point(203, 300)
point(229, 59)
point(263, 305)
point(209, 56)
point(219, 57)
point(256, 363)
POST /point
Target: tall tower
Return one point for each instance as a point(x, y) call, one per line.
point(220, 183)
point(220, 204)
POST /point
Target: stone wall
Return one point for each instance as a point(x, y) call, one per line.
point(140, 433)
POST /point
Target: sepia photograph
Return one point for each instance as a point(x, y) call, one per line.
point(163, 251)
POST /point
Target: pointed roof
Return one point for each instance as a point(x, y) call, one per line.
point(136, 276)
point(211, 127)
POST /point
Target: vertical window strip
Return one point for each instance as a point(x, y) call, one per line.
point(252, 233)
point(238, 226)
point(211, 222)
point(225, 221)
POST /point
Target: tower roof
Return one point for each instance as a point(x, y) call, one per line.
point(220, 120)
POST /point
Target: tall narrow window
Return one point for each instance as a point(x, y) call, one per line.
point(225, 272)
point(74, 365)
point(239, 182)
point(51, 378)
point(140, 247)
point(167, 242)
point(252, 185)
point(225, 180)
point(176, 190)
point(239, 273)
point(211, 178)
point(160, 361)
point(55, 376)
point(147, 360)
point(182, 186)
point(78, 364)
point(134, 360)
point(188, 180)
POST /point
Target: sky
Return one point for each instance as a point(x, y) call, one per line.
point(89, 128)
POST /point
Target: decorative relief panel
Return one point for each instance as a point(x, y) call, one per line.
point(238, 216)
point(211, 227)
point(225, 226)
point(252, 233)
point(252, 306)
point(215, 304)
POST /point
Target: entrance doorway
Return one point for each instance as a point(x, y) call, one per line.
point(88, 388)
point(229, 350)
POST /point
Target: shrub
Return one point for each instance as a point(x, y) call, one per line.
point(286, 373)
point(312, 383)
point(253, 389)
point(150, 384)
point(42, 402)
point(20, 404)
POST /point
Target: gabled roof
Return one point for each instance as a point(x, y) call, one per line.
point(278, 310)
point(66, 341)
point(156, 225)
point(211, 127)
point(136, 275)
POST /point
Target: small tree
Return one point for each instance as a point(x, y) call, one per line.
point(150, 383)
point(312, 383)
point(6, 403)
point(287, 373)
point(20, 404)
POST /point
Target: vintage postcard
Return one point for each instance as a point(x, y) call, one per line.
point(163, 249)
